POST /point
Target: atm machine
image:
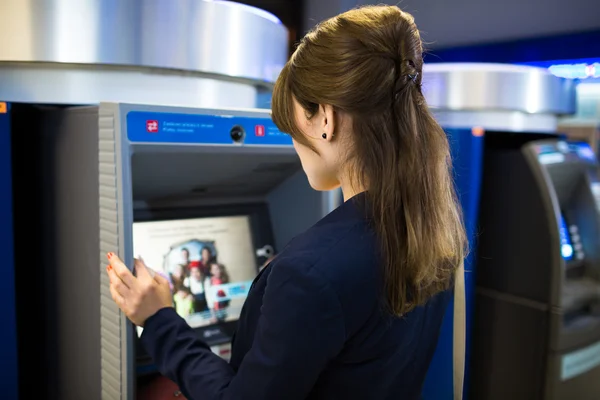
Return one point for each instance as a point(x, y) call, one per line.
point(484, 108)
point(196, 193)
point(69, 161)
point(537, 324)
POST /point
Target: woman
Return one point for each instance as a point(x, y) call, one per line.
point(351, 309)
point(218, 277)
point(196, 283)
point(184, 301)
point(178, 276)
point(206, 258)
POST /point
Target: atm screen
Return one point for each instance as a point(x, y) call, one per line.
point(566, 246)
point(209, 263)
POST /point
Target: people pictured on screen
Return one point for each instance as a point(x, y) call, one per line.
point(184, 301)
point(185, 257)
point(195, 282)
point(207, 257)
point(178, 275)
point(190, 274)
point(217, 301)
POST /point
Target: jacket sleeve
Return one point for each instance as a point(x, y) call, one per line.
point(301, 328)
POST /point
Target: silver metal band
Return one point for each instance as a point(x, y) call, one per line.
point(497, 87)
point(505, 121)
point(196, 53)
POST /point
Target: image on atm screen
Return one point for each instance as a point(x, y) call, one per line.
point(209, 263)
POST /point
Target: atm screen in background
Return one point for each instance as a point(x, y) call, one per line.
point(566, 246)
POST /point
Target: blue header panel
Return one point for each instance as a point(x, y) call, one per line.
point(157, 127)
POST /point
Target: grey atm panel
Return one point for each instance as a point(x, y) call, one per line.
point(537, 322)
point(91, 180)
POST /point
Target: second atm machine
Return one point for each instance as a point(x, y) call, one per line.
point(536, 321)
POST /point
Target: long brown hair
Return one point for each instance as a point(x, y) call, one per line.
point(367, 63)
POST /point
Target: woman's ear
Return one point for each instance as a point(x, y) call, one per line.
point(328, 115)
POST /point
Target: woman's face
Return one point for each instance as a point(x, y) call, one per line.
point(206, 254)
point(178, 271)
point(195, 273)
point(321, 169)
point(215, 271)
point(185, 255)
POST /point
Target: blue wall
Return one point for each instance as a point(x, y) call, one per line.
point(575, 46)
point(8, 328)
point(467, 156)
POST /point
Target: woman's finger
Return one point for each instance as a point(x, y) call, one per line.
point(120, 300)
point(121, 270)
point(116, 283)
point(141, 270)
point(161, 280)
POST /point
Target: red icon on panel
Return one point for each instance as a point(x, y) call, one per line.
point(152, 126)
point(259, 130)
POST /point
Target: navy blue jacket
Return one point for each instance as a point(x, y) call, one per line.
point(312, 327)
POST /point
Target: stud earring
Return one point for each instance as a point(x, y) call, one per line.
point(324, 136)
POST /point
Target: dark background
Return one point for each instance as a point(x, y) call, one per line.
point(288, 11)
point(519, 31)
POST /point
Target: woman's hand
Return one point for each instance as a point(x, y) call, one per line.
point(138, 297)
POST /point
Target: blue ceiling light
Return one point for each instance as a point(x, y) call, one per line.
point(576, 71)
